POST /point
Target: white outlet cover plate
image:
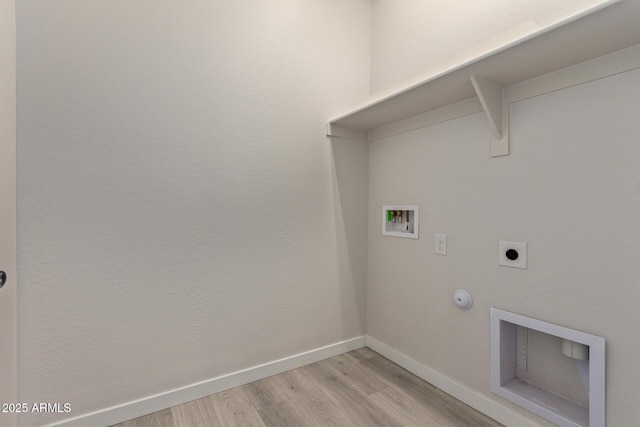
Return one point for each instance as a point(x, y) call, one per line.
point(440, 244)
point(520, 262)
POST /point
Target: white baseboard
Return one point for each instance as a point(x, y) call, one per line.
point(476, 400)
point(147, 405)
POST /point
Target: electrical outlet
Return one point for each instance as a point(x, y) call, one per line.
point(441, 244)
point(512, 254)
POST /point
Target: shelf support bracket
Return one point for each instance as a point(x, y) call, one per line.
point(491, 98)
point(335, 131)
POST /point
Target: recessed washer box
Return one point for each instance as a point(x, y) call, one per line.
point(542, 399)
point(400, 221)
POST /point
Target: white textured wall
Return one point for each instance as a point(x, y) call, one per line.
point(570, 188)
point(411, 36)
point(180, 212)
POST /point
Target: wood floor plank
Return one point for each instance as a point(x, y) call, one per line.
point(353, 403)
point(283, 414)
point(403, 407)
point(354, 374)
point(393, 374)
point(356, 389)
point(195, 413)
point(317, 407)
point(162, 418)
point(460, 414)
point(442, 405)
point(264, 393)
point(360, 354)
point(234, 409)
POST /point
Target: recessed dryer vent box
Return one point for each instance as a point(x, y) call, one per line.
point(545, 395)
point(400, 221)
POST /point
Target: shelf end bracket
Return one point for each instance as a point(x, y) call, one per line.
point(337, 131)
point(492, 100)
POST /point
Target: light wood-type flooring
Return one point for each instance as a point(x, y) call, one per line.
point(359, 388)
